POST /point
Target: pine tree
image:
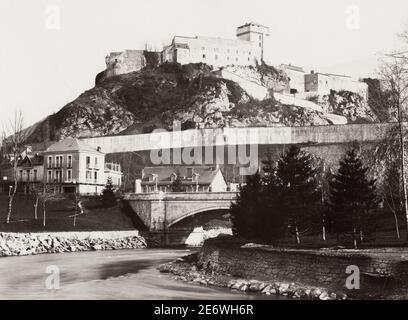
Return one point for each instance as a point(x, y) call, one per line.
point(108, 194)
point(299, 188)
point(245, 212)
point(272, 221)
point(352, 196)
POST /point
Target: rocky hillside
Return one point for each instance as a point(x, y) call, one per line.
point(154, 97)
point(347, 104)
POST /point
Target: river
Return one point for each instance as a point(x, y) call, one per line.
point(121, 274)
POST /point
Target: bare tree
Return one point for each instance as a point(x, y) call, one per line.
point(77, 205)
point(36, 190)
point(14, 145)
point(46, 195)
point(394, 76)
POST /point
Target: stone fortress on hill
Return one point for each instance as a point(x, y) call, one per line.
point(246, 50)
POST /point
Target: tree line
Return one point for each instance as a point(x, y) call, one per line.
point(296, 195)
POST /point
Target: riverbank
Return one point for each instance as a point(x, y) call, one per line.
point(187, 269)
point(21, 244)
point(297, 273)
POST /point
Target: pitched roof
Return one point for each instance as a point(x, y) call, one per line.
point(253, 23)
point(31, 160)
point(71, 144)
point(206, 174)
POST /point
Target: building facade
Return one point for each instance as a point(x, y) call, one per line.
point(124, 62)
point(69, 165)
point(323, 83)
point(296, 77)
point(193, 179)
point(246, 50)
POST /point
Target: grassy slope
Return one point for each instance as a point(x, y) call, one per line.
point(59, 217)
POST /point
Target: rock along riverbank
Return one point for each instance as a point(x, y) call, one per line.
point(298, 273)
point(188, 269)
point(21, 244)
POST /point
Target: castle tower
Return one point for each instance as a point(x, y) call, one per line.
point(253, 32)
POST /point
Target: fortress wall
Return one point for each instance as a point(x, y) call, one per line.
point(124, 62)
point(335, 134)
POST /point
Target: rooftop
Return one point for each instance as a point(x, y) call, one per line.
point(252, 23)
point(291, 67)
point(205, 174)
point(71, 144)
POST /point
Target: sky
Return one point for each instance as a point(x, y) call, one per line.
point(51, 50)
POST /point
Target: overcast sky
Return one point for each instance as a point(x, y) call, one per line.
point(46, 62)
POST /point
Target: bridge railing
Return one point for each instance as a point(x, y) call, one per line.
point(228, 195)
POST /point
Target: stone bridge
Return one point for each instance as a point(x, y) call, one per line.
point(159, 211)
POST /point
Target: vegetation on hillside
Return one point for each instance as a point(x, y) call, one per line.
point(154, 97)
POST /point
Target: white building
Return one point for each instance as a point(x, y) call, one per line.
point(73, 166)
point(193, 179)
point(323, 83)
point(296, 77)
point(246, 50)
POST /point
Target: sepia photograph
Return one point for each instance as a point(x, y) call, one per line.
point(233, 152)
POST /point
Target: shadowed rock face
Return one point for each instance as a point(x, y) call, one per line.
point(139, 102)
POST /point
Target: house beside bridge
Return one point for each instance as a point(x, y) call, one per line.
point(192, 179)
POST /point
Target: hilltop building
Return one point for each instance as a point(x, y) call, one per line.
point(296, 77)
point(193, 179)
point(323, 83)
point(124, 62)
point(247, 49)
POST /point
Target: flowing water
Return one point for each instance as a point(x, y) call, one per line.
point(123, 274)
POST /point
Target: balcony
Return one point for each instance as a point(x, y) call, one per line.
point(54, 166)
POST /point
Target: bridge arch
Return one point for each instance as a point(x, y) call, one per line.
point(197, 211)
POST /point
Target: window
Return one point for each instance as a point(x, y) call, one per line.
point(216, 57)
point(202, 48)
point(260, 37)
point(190, 172)
point(96, 162)
point(204, 56)
point(260, 45)
point(49, 162)
point(95, 176)
point(249, 52)
point(35, 175)
point(58, 176)
point(21, 175)
point(49, 176)
point(88, 175)
point(58, 161)
point(28, 175)
point(88, 162)
point(69, 161)
point(69, 175)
